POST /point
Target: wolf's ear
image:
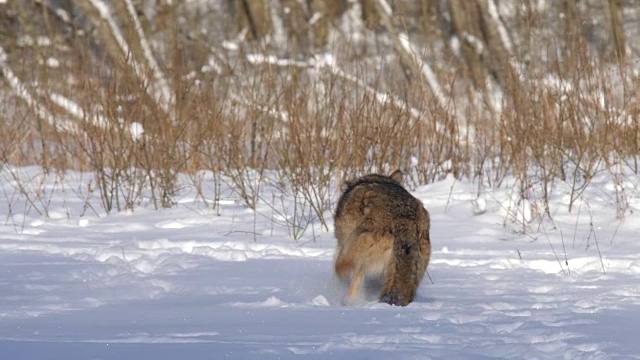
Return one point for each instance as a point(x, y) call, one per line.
point(397, 177)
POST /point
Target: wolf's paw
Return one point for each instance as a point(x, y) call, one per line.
point(350, 301)
point(393, 298)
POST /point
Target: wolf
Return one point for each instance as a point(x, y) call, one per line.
point(382, 232)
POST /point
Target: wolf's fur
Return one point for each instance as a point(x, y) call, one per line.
point(382, 231)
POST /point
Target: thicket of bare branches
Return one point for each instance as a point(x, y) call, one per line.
point(138, 91)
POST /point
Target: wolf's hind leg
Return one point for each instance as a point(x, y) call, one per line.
point(344, 266)
point(356, 284)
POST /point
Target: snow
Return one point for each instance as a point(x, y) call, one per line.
point(136, 130)
point(26, 40)
point(196, 282)
point(53, 63)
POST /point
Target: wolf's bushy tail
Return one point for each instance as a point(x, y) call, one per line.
point(402, 283)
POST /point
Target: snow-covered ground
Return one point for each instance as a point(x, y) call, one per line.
point(192, 282)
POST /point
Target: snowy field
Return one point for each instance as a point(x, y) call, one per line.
point(194, 282)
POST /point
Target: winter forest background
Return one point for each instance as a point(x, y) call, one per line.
point(139, 91)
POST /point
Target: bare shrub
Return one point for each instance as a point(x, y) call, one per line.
point(139, 95)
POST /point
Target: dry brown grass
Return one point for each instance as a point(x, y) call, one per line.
point(562, 118)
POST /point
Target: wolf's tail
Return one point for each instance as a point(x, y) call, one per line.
point(405, 268)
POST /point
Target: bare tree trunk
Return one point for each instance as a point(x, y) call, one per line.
point(617, 31)
point(254, 15)
point(498, 41)
point(8, 26)
point(296, 22)
point(138, 5)
point(465, 24)
point(173, 59)
point(572, 23)
point(410, 57)
point(484, 48)
point(429, 16)
point(370, 15)
point(322, 13)
point(130, 49)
